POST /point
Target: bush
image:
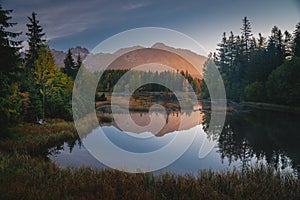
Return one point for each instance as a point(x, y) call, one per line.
point(283, 85)
point(255, 91)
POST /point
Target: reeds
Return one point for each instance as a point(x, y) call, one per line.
point(36, 139)
point(22, 176)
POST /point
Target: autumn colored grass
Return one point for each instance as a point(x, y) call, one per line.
point(24, 177)
point(34, 139)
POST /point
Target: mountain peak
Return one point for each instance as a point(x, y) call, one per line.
point(60, 56)
point(158, 45)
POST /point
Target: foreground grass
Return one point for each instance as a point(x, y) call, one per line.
point(35, 140)
point(24, 177)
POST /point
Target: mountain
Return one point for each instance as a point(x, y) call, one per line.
point(126, 58)
point(59, 56)
point(154, 58)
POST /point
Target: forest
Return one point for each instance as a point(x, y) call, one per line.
point(259, 69)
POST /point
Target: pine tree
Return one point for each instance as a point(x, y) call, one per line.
point(231, 53)
point(69, 64)
point(9, 47)
point(280, 47)
point(296, 41)
point(287, 42)
point(10, 102)
point(78, 61)
point(77, 66)
point(35, 41)
point(246, 35)
point(276, 47)
point(222, 60)
point(35, 37)
point(261, 41)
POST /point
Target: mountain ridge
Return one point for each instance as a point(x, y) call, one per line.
point(127, 58)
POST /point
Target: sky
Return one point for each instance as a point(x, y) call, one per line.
point(70, 23)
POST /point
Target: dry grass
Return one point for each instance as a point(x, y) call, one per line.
point(34, 139)
point(23, 177)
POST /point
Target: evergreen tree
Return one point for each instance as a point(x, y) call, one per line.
point(77, 66)
point(10, 102)
point(231, 53)
point(35, 41)
point(287, 42)
point(35, 37)
point(9, 62)
point(78, 61)
point(246, 35)
point(261, 41)
point(222, 59)
point(69, 64)
point(276, 47)
point(296, 41)
point(280, 51)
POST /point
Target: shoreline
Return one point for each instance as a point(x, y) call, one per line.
point(270, 107)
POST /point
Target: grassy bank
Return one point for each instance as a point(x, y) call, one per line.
point(271, 107)
point(35, 140)
point(24, 177)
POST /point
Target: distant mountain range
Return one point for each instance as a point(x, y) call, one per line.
point(178, 59)
point(59, 56)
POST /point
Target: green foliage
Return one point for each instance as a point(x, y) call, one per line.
point(44, 73)
point(296, 41)
point(283, 85)
point(110, 78)
point(35, 38)
point(10, 68)
point(246, 64)
point(33, 106)
point(58, 104)
point(255, 91)
point(50, 91)
point(71, 68)
point(211, 78)
point(10, 104)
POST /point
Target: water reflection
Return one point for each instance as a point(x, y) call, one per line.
point(268, 136)
point(174, 120)
point(247, 138)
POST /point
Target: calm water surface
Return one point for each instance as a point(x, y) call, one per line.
point(248, 138)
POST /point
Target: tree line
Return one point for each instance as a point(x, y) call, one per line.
point(261, 69)
point(180, 80)
point(32, 88)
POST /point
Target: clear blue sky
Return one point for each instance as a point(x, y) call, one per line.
point(70, 23)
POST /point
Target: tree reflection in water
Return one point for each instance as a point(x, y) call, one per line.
point(261, 135)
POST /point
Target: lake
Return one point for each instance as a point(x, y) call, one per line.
point(248, 138)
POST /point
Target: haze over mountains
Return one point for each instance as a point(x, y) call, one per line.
point(159, 53)
point(59, 56)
